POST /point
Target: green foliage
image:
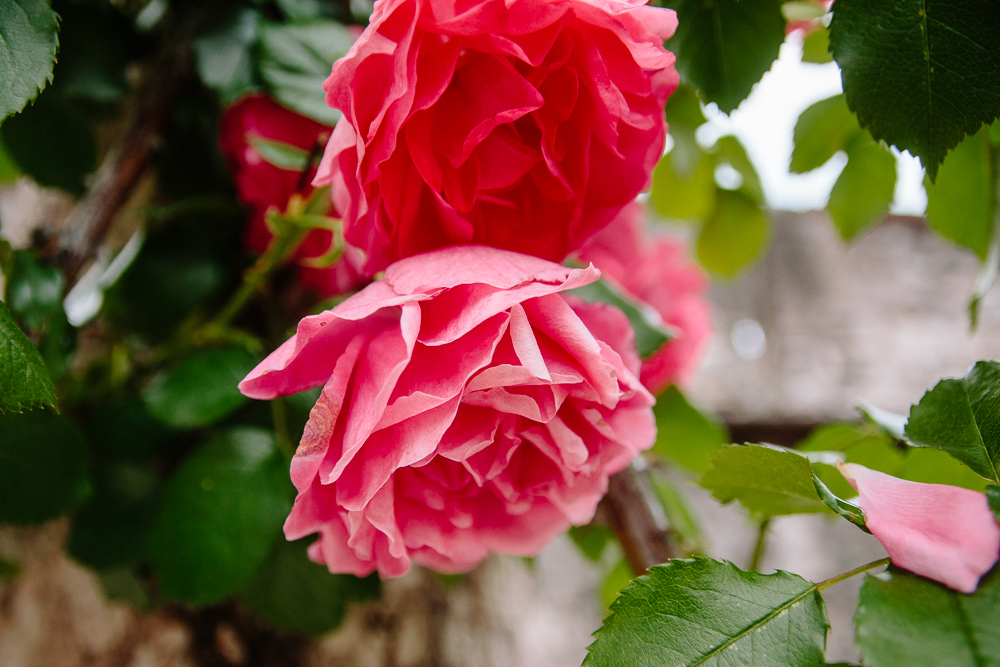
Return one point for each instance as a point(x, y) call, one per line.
point(220, 515)
point(684, 434)
point(280, 154)
point(295, 60)
point(734, 235)
point(816, 47)
point(616, 579)
point(822, 130)
point(681, 518)
point(706, 612)
point(904, 620)
point(863, 191)
point(724, 47)
point(296, 595)
point(29, 36)
point(44, 471)
point(89, 69)
point(224, 54)
point(591, 540)
point(123, 430)
point(684, 183)
point(767, 481)
point(960, 203)
point(962, 417)
point(201, 390)
point(920, 75)
point(24, 381)
point(34, 290)
point(650, 332)
point(52, 143)
point(993, 497)
point(9, 171)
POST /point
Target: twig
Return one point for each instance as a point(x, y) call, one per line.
point(641, 529)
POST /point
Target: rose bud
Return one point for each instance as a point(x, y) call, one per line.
point(469, 406)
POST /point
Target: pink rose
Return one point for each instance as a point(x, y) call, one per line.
point(467, 407)
point(519, 124)
point(262, 185)
point(941, 532)
point(658, 272)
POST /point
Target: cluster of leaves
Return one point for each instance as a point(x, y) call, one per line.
point(702, 611)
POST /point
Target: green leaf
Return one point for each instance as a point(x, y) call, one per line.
point(920, 75)
point(729, 150)
point(92, 69)
point(34, 290)
point(52, 143)
point(822, 130)
point(863, 191)
point(683, 521)
point(296, 595)
point(960, 202)
point(278, 153)
point(44, 471)
point(767, 481)
point(987, 275)
point(847, 510)
point(683, 109)
point(591, 540)
point(221, 513)
point(684, 434)
point(295, 60)
point(29, 36)
point(734, 235)
point(684, 182)
point(816, 47)
point(724, 47)
point(224, 54)
point(123, 430)
point(9, 171)
point(905, 620)
point(201, 390)
point(24, 381)
point(892, 424)
point(993, 497)
point(706, 612)
point(962, 417)
point(616, 579)
point(650, 331)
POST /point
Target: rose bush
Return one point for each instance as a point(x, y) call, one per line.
point(519, 124)
point(262, 185)
point(468, 406)
point(658, 272)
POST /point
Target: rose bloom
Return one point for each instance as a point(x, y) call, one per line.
point(468, 406)
point(942, 532)
point(262, 185)
point(657, 271)
point(518, 124)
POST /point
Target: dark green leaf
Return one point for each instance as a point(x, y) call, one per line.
point(201, 390)
point(816, 47)
point(767, 481)
point(684, 182)
point(960, 202)
point(296, 595)
point(650, 331)
point(24, 381)
point(9, 171)
point(683, 109)
point(822, 130)
point(729, 150)
point(863, 191)
point(705, 612)
point(278, 153)
point(684, 434)
point(920, 75)
point(121, 584)
point(905, 620)
point(88, 68)
point(724, 47)
point(123, 430)
point(993, 497)
point(28, 41)
point(296, 59)
point(223, 55)
point(34, 290)
point(221, 513)
point(50, 142)
point(734, 235)
point(44, 467)
point(962, 417)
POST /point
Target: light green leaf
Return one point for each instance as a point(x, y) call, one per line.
point(650, 331)
point(9, 171)
point(278, 153)
point(905, 620)
point(221, 514)
point(729, 150)
point(962, 417)
point(684, 182)
point(24, 381)
point(617, 579)
point(591, 540)
point(29, 36)
point(201, 390)
point(816, 47)
point(734, 235)
point(681, 518)
point(711, 613)
point(724, 47)
point(295, 60)
point(960, 202)
point(683, 110)
point(822, 130)
point(920, 75)
point(767, 481)
point(863, 191)
point(224, 55)
point(684, 434)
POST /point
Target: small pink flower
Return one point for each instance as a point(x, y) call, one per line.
point(468, 407)
point(262, 185)
point(941, 532)
point(658, 272)
point(519, 124)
